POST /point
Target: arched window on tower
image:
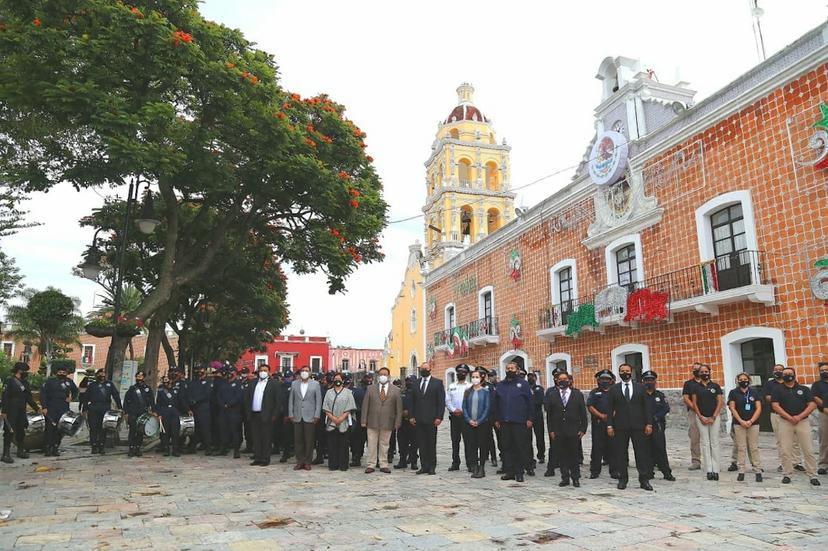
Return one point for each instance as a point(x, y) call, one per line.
point(493, 220)
point(492, 176)
point(464, 168)
point(466, 223)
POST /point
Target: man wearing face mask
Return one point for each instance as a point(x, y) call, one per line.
point(304, 410)
point(820, 391)
point(658, 440)
point(264, 404)
point(94, 403)
point(537, 420)
point(495, 446)
point(794, 403)
point(358, 434)
point(598, 406)
point(770, 386)
point(708, 401)
point(428, 409)
point(631, 418)
point(454, 405)
point(567, 421)
point(201, 398)
point(381, 413)
point(165, 407)
point(16, 394)
point(692, 429)
point(55, 395)
point(513, 414)
point(406, 436)
point(137, 401)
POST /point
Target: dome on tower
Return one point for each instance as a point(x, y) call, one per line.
point(465, 110)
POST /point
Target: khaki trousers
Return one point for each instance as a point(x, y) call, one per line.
point(747, 443)
point(774, 417)
point(710, 443)
point(378, 439)
point(695, 438)
point(823, 440)
point(801, 434)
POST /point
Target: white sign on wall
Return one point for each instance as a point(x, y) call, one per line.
point(608, 158)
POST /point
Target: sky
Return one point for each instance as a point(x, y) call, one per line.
point(396, 65)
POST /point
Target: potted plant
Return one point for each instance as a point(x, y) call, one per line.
point(103, 326)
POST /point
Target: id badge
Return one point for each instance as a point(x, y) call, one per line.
point(747, 406)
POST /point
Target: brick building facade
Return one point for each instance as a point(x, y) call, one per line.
point(689, 233)
point(289, 353)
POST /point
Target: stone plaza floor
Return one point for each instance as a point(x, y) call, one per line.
point(79, 501)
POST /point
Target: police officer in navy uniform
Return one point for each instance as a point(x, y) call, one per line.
point(514, 413)
point(490, 382)
point(138, 400)
point(244, 382)
point(598, 406)
point(538, 422)
point(166, 407)
point(94, 403)
point(657, 440)
point(16, 394)
point(201, 397)
point(406, 435)
point(55, 395)
point(230, 396)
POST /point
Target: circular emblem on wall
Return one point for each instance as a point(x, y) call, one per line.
point(608, 158)
point(819, 281)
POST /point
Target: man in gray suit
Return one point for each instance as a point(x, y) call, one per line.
point(304, 409)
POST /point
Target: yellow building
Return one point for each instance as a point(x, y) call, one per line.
point(467, 182)
point(405, 345)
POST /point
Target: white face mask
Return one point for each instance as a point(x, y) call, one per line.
point(304, 375)
point(263, 374)
point(383, 379)
point(475, 380)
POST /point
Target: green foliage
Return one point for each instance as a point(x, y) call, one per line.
point(6, 365)
point(63, 362)
point(49, 319)
point(10, 278)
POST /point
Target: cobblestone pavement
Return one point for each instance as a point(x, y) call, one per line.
point(85, 502)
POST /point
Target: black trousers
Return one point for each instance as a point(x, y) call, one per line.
point(358, 438)
point(658, 451)
point(478, 440)
point(97, 434)
point(392, 444)
point(427, 443)
point(230, 424)
point(338, 449)
point(261, 432)
point(14, 429)
point(514, 437)
point(321, 440)
point(553, 459)
point(282, 437)
point(52, 433)
point(136, 434)
point(171, 435)
point(494, 442)
point(568, 458)
point(247, 437)
point(203, 415)
point(407, 443)
point(601, 449)
point(642, 460)
point(540, 435)
point(457, 424)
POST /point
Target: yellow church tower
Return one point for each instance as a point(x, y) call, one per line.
point(467, 182)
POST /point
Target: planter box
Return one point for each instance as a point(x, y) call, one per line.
point(97, 331)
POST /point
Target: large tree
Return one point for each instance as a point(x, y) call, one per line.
point(49, 319)
point(95, 92)
point(10, 278)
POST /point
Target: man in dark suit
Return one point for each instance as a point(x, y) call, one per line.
point(264, 404)
point(428, 409)
point(630, 418)
point(567, 420)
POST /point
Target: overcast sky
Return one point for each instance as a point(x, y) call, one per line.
point(396, 65)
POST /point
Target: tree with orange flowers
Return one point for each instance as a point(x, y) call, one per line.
point(97, 93)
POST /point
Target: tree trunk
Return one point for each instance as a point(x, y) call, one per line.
point(131, 350)
point(156, 333)
point(115, 358)
point(184, 352)
point(168, 349)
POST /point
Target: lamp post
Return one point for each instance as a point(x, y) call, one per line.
point(91, 265)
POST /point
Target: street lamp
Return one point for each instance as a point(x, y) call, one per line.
point(147, 222)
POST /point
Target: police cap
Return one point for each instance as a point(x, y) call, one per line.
point(462, 368)
point(492, 373)
point(649, 375)
point(20, 366)
point(604, 374)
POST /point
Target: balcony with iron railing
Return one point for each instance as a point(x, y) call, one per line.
point(478, 333)
point(735, 277)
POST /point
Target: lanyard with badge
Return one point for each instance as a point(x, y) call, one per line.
point(748, 405)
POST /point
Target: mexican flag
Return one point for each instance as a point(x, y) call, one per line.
point(458, 344)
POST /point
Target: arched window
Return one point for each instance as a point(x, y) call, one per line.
point(492, 220)
point(465, 172)
point(492, 176)
point(466, 222)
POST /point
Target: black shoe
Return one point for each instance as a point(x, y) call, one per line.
point(518, 478)
point(102, 450)
point(400, 466)
point(799, 468)
point(541, 460)
point(622, 484)
point(454, 467)
point(740, 477)
point(716, 476)
point(283, 459)
point(432, 471)
point(549, 472)
point(6, 458)
point(576, 483)
point(822, 471)
point(669, 478)
point(139, 452)
point(815, 482)
point(786, 480)
point(414, 466)
point(354, 463)
point(236, 454)
point(593, 476)
point(709, 476)
point(507, 477)
point(758, 477)
point(530, 472)
point(166, 452)
point(733, 467)
point(422, 471)
point(646, 486)
point(94, 450)
point(563, 483)
point(500, 471)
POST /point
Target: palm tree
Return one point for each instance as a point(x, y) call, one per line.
point(130, 300)
point(49, 319)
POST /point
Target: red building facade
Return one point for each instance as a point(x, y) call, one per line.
point(289, 353)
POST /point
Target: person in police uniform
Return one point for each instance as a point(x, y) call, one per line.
point(16, 394)
point(180, 389)
point(793, 403)
point(537, 422)
point(687, 392)
point(707, 402)
point(94, 403)
point(454, 405)
point(769, 387)
point(820, 391)
point(598, 406)
point(200, 394)
point(406, 434)
point(166, 408)
point(514, 413)
point(55, 395)
point(657, 440)
point(230, 397)
point(138, 400)
point(490, 381)
point(244, 382)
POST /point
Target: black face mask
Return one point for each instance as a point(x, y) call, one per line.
point(744, 384)
point(461, 378)
point(604, 384)
point(777, 374)
point(100, 378)
point(824, 375)
point(425, 373)
point(532, 380)
point(695, 373)
point(626, 377)
point(407, 385)
point(337, 383)
point(511, 375)
point(788, 378)
point(24, 375)
point(649, 386)
point(705, 376)
point(563, 384)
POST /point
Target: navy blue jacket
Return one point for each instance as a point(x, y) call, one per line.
point(230, 395)
point(138, 400)
point(53, 394)
point(165, 403)
point(513, 402)
point(99, 396)
point(200, 392)
point(599, 399)
point(660, 407)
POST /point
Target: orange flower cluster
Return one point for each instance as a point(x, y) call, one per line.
point(310, 128)
point(344, 175)
point(354, 254)
point(369, 158)
point(310, 142)
point(296, 97)
point(329, 109)
point(325, 139)
point(181, 36)
point(353, 192)
point(359, 133)
point(36, 22)
point(281, 116)
point(355, 203)
point(231, 65)
point(362, 145)
point(137, 13)
point(336, 233)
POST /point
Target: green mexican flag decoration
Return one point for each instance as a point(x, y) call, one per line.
point(582, 316)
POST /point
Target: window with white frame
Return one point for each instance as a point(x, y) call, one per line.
point(372, 365)
point(413, 320)
point(450, 317)
point(286, 362)
point(346, 364)
point(564, 280)
point(560, 361)
point(316, 364)
point(88, 354)
point(260, 361)
point(624, 259)
point(636, 355)
point(8, 349)
point(485, 304)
